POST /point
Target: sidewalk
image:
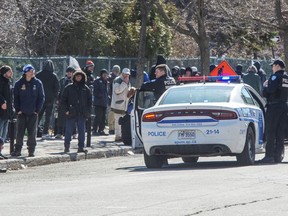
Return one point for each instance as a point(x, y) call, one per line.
point(52, 151)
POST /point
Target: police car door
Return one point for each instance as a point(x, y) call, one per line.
point(142, 101)
point(261, 103)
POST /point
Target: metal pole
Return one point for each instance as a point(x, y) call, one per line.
point(88, 142)
point(12, 123)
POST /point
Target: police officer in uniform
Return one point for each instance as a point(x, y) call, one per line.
point(161, 83)
point(276, 91)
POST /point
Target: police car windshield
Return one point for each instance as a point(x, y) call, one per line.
point(197, 94)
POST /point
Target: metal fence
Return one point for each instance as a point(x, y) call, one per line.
point(61, 63)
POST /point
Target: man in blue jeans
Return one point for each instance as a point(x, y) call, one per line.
point(76, 103)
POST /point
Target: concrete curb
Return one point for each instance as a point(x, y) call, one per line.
point(24, 162)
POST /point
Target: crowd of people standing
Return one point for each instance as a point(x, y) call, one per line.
point(69, 101)
point(79, 94)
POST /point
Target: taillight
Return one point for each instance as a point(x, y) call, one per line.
point(152, 117)
point(223, 115)
point(215, 114)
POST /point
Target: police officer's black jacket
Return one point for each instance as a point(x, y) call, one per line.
point(158, 85)
point(77, 98)
point(5, 97)
point(277, 89)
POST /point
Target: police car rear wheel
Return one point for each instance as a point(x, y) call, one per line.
point(190, 159)
point(153, 161)
point(247, 157)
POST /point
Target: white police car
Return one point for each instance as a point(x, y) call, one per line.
point(198, 120)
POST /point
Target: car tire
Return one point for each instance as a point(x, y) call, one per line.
point(247, 157)
point(153, 161)
point(190, 159)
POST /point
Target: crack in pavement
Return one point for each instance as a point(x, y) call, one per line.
point(233, 205)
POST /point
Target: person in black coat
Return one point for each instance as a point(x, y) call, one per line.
point(51, 89)
point(100, 93)
point(276, 92)
point(76, 102)
point(6, 109)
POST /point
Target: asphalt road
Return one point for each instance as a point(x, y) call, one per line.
point(124, 186)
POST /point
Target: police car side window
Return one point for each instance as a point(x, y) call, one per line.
point(247, 98)
point(146, 99)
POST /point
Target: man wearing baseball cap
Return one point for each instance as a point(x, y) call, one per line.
point(276, 91)
point(28, 100)
point(119, 103)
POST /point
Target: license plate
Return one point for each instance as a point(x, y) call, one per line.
point(186, 134)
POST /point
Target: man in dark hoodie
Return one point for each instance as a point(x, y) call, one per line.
point(260, 71)
point(76, 102)
point(51, 89)
point(160, 60)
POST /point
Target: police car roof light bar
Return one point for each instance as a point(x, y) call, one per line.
point(210, 79)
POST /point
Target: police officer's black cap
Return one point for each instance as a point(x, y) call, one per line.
point(278, 62)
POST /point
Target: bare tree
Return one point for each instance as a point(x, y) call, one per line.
point(193, 25)
point(281, 13)
point(42, 22)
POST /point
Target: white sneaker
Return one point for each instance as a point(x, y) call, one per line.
point(47, 137)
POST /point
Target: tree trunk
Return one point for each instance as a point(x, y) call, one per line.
point(145, 9)
point(205, 57)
